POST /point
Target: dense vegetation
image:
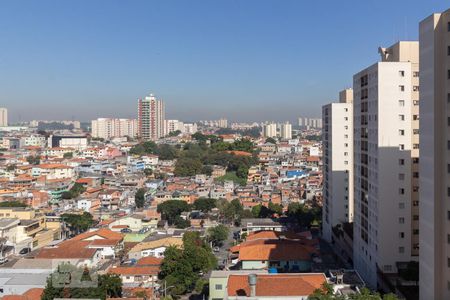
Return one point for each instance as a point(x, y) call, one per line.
point(170, 211)
point(76, 190)
point(182, 268)
point(78, 223)
point(139, 198)
point(197, 158)
point(81, 285)
point(305, 215)
point(12, 204)
point(218, 234)
point(261, 211)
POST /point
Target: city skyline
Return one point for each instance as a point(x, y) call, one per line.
point(230, 57)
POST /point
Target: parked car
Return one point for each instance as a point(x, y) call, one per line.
point(216, 249)
point(25, 251)
point(125, 230)
point(3, 260)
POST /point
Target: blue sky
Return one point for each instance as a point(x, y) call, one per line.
point(245, 60)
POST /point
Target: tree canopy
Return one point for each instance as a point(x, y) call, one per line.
point(204, 204)
point(217, 234)
point(78, 223)
point(172, 209)
point(139, 198)
point(181, 268)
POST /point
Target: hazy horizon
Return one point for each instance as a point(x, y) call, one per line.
point(242, 60)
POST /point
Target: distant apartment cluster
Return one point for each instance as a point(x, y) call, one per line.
point(274, 130)
point(107, 128)
point(309, 123)
point(375, 180)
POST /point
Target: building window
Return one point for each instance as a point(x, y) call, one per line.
point(401, 102)
point(448, 262)
point(401, 132)
point(416, 88)
point(218, 286)
point(402, 235)
point(402, 88)
point(401, 147)
point(401, 117)
point(416, 74)
point(401, 73)
point(415, 102)
point(416, 217)
point(401, 249)
point(416, 231)
point(402, 220)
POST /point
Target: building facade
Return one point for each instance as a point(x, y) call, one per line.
point(337, 138)
point(107, 128)
point(286, 131)
point(3, 117)
point(386, 151)
point(151, 116)
point(435, 157)
point(270, 130)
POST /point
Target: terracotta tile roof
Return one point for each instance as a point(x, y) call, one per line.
point(276, 285)
point(53, 166)
point(31, 294)
point(275, 250)
point(68, 250)
point(134, 270)
point(104, 233)
point(108, 242)
point(149, 261)
point(239, 153)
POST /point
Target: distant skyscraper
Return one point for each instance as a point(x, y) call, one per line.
point(107, 128)
point(286, 131)
point(386, 151)
point(223, 123)
point(300, 122)
point(338, 163)
point(270, 130)
point(151, 116)
point(3, 117)
point(434, 260)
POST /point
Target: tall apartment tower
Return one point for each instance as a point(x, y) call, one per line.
point(151, 116)
point(286, 131)
point(434, 35)
point(386, 151)
point(337, 137)
point(270, 130)
point(3, 117)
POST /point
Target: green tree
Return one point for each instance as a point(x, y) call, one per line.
point(172, 209)
point(78, 223)
point(181, 223)
point(217, 234)
point(68, 155)
point(139, 198)
point(275, 208)
point(188, 167)
point(10, 168)
point(271, 140)
point(166, 152)
point(34, 160)
point(205, 204)
point(148, 172)
point(13, 203)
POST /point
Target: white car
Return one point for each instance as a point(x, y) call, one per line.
point(3, 260)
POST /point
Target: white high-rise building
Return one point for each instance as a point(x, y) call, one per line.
point(270, 130)
point(300, 122)
point(173, 125)
point(386, 151)
point(223, 123)
point(190, 128)
point(3, 117)
point(151, 116)
point(286, 131)
point(434, 262)
point(337, 137)
point(107, 128)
